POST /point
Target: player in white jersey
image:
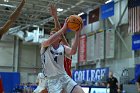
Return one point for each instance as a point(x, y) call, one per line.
point(41, 81)
point(52, 55)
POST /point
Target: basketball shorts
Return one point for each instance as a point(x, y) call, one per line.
point(38, 89)
point(57, 83)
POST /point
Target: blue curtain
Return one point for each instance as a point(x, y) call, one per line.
point(9, 80)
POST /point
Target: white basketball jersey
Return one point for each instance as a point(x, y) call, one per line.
point(53, 61)
point(42, 80)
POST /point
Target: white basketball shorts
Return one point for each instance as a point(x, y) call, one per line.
point(57, 83)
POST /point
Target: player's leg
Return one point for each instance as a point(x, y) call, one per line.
point(77, 89)
point(71, 86)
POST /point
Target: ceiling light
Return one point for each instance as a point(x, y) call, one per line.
point(6, 5)
point(59, 9)
point(80, 13)
point(108, 1)
point(6, 0)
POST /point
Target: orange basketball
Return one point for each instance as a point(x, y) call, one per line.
point(74, 22)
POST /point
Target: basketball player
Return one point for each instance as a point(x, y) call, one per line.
point(67, 59)
point(12, 18)
point(52, 55)
point(41, 82)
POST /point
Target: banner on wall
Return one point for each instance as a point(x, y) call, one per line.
point(107, 10)
point(84, 17)
point(90, 74)
point(94, 15)
point(99, 46)
point(136, 42)
point(110, 43)
point(10, 80)
point(90, 48)
point(82, 49)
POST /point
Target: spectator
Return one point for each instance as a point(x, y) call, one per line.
point(112, 83)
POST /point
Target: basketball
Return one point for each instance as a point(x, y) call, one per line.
point(74, 22)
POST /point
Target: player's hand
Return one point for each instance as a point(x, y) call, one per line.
point(52, 10)
point(79, 30)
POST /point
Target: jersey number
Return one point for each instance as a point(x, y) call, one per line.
point(55, 59)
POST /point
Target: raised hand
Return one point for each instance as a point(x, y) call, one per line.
point(53, 10)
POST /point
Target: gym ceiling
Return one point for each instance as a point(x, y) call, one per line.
point(35, 12)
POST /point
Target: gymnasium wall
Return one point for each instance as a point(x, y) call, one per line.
point(6, 56)
point(29, 60)
point(117, 66)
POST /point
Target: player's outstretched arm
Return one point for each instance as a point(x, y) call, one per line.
point(53, 12)
point(12, 18)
